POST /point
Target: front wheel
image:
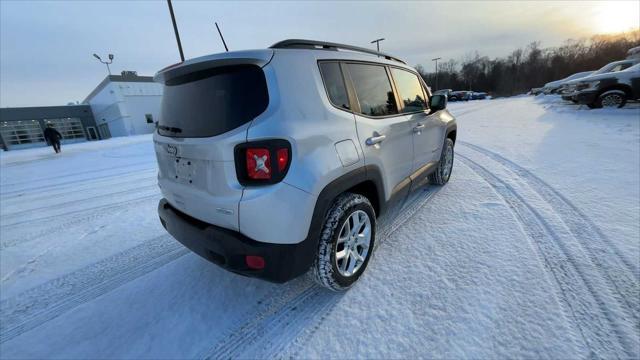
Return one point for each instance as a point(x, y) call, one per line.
point(445, 165)
point(610, 99)
point(346, 242)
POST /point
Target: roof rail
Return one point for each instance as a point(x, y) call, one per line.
point(324, 45)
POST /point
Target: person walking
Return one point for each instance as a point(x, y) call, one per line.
point(53, 137)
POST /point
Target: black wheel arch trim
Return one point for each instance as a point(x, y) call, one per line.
point(340, 185)
point(452, 127)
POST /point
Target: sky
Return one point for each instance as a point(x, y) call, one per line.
point(46, 47)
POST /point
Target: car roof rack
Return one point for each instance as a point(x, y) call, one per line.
point(324, 45)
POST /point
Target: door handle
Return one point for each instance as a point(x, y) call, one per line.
point(375, 140)
point(418, 128)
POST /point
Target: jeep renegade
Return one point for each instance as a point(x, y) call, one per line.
point(278, 162)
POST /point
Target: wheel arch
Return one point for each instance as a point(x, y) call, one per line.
point(452, 132)
point(620, 87)
point(366, 181)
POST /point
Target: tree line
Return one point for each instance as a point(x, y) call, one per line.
point(530, 67)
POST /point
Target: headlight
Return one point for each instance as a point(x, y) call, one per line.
point(587, 85)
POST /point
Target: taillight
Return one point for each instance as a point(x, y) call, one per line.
point(258, 163)
point(283, 158)
point(262, 162)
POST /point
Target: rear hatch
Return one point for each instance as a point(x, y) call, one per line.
point(207, 107)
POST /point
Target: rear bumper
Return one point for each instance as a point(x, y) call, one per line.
point(228, 248)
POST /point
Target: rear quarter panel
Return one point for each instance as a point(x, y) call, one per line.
point(300, 112)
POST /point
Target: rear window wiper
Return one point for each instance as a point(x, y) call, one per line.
point(170, 129)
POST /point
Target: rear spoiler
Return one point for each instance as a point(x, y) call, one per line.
point(248, 57)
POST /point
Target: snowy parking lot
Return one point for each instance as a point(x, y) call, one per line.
point(531, 250)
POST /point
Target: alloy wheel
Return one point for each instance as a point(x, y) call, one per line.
point(612, 100)
point(448, 162)
point(353, 243)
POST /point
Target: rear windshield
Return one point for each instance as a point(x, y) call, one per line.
point(213, 101)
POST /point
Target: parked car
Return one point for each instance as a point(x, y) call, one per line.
point(568, 90)
point(446, 92)
point(609, 90)
point(535, 91)
point(460, 96)
point(553, 86)
point(634, 53)
point(478, 95)
point(277, 162)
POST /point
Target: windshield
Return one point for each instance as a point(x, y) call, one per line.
point(611, 67)
point(213, 101)
point(579, 75)
point(635, 67)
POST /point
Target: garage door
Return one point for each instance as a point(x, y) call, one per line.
point(70, 128)
point(21, 134)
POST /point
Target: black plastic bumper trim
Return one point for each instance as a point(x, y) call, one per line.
point(228, 248)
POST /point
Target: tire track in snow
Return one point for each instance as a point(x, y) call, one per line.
point(47, 301)
point(99, 212)
point(281, 321)
point(623, 280)
point(592, 311)
point(74, 189)
point(72, 182)
point(82, 211)
point(111, 168)
point(416, 202)
point(71, 202)
point(273, 318)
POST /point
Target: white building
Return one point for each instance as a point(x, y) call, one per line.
point(125, 104)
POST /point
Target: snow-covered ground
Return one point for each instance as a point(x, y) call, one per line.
point(532, 250)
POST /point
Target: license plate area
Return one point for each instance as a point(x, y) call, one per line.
point(185, 170)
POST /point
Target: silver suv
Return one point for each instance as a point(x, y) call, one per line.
point(277, 161)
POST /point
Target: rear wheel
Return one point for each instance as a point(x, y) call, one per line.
point(346, 242)
point(445, 165)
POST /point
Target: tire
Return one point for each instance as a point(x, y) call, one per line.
point(453, 98)
point(445, 165)
point(610, 99)
point(329, 271)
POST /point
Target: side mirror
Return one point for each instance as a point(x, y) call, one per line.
point(438, 102)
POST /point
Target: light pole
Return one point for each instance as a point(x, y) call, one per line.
point(436, 60)
point(105, 62)
point(377, 41)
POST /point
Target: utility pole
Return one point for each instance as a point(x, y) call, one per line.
point(175, 29)
point(436, 60)
point(377, 41)
point(105, 62)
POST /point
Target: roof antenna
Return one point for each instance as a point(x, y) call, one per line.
point(222, 37)
point(175, 30)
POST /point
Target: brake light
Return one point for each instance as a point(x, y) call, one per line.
point(262, 162)
point(259, 163)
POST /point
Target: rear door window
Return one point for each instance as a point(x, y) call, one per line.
point(334, 83)
point(409, 90)
point(211, 102)
point(373, 89)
